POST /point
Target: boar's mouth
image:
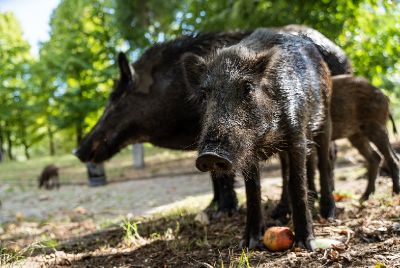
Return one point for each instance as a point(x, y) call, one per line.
point(96, 151)
point(98, 154)
point(100, 150)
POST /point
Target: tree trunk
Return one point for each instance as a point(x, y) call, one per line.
point(9, 145)
point(26, 151)
point(138, 156)
point(79, 133)
point(52, 150)
point(81, 117)
point(1, 143)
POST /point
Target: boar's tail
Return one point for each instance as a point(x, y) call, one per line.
point(393, 123)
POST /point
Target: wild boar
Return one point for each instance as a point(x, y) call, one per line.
point(150, 102)
point(359, 112)
point(49, 177)
point(266, 94)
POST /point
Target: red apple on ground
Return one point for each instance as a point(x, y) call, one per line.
point(278, 238)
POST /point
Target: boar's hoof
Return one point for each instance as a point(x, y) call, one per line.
point(365, 197)
point(252, 243)
point(281, 213)
point(306, 243)
point(212, 207)
point(327, 209)
point(217, 213)
point(217, 210)
point(227, 212)
point(396, 189)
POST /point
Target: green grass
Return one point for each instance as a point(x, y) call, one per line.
point(244, 260)
point(132, 235)
point(7, 257)
point(71, 169)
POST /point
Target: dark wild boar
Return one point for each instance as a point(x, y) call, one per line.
point(49, 178)
point(266, 94)
point(359, 112)
point(149, 102)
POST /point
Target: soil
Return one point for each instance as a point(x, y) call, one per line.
point(153, 222)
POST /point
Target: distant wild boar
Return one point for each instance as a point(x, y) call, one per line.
point(49, 178)
point(359, 112)
point(266, 94)
point(150, 101)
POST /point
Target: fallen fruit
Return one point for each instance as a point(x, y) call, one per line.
point(340, 197)
point(278, 238)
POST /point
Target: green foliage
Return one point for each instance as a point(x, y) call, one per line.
point(372, 39)
point(144, 22)
point(367, 29)
point(51, 101)
point(14, 76)
point(80, 54)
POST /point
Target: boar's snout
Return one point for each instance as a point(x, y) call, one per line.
point(210, 161)
point(87, 150)
point(81, 154)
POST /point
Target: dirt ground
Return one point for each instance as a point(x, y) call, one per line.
point(151, 222)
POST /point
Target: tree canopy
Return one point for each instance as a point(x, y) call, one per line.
point(50, 101)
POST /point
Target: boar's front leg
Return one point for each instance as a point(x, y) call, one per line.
point(213, 206)
point(227, 201)
point(224, 201)
point(254, 225)
point(282, 209)
point(327, 202)
point(304, 235)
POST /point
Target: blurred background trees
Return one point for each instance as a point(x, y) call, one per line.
point(49, 102)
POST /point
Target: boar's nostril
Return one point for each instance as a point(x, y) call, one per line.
point(222, 165)
point(203, 167)
point(211, 161)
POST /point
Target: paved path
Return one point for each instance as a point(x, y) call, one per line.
point(138, 197)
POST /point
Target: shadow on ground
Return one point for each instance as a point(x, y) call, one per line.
point(179, 241)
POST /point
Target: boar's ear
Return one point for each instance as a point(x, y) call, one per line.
point(125, 68)
point(193, 67)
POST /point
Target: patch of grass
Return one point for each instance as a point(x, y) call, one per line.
point(8, 256)
point(243, 260)
point(131, 236)
point(47, 244)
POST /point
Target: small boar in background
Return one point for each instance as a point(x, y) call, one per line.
point(49, 178)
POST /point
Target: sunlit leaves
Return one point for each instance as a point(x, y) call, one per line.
point(82, 52)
